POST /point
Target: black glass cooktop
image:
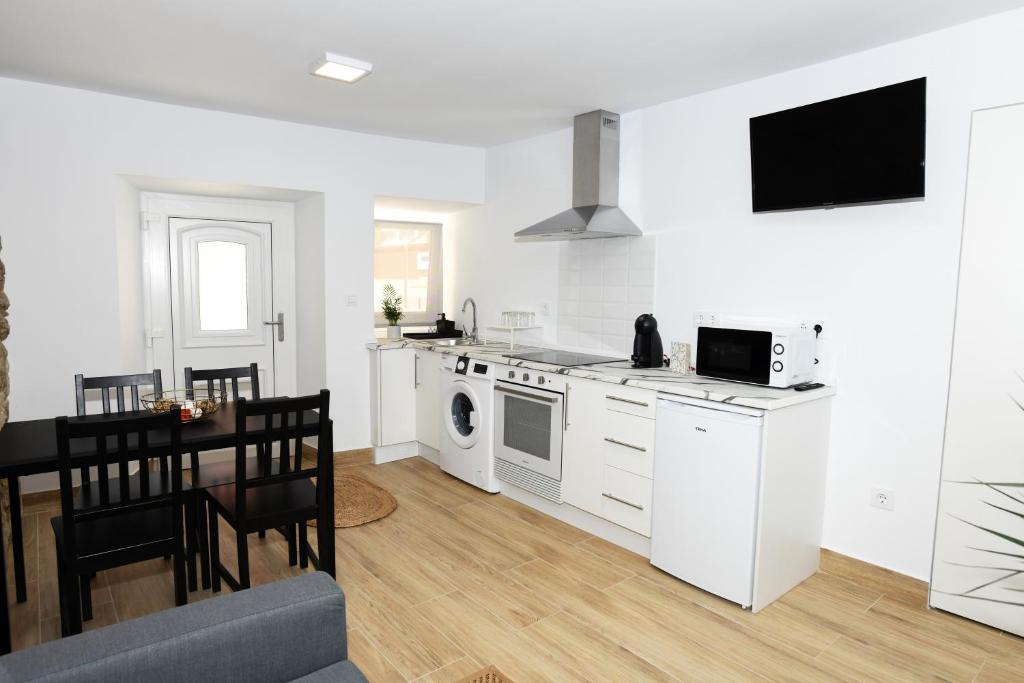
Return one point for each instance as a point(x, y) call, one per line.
point(567, 359)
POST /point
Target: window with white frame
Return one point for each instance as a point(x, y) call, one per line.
point(408, 256)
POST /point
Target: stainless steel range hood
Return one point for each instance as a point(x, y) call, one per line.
point(595, 186)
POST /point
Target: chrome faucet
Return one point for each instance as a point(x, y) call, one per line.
point(473, 334)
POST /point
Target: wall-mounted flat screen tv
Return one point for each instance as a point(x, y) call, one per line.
point(867, 147)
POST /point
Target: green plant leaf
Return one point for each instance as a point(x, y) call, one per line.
point(1013, 573)
point(983, 566)
point(1000, 534)
point(996, 552)
point(980, 597)
point(1000, 507)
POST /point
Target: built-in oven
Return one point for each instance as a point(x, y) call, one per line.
point(529, 414)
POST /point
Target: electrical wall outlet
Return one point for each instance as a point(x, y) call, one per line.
point(883, 499)
point(706, 319)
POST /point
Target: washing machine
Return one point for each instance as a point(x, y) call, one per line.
point(467, 421)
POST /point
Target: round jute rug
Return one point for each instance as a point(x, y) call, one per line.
point(357, 501)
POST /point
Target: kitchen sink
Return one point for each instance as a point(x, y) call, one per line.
point(457, 341)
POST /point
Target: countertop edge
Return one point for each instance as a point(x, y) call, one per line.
point(687, 386)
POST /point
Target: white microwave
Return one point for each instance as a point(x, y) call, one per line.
point(775, 357)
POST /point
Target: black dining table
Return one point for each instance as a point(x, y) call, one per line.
point(30, 447)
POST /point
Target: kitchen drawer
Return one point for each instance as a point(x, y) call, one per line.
point(626, 500)
point(639, 402)
point(628, 442)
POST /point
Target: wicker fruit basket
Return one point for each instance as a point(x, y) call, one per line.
point(195, 405)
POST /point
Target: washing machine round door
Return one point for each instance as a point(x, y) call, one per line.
point(462, 414)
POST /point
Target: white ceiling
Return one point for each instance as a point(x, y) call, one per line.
point(475, 72)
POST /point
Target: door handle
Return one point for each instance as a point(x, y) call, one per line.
point(415, 370)
point(280, 326)
point(565, 409)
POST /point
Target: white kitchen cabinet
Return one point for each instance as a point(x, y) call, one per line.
point(607, 452)
point(630, 400)
point(428, 398)
point(626, 500)
point(393, 396)
point(583, 445)
point(629, 443)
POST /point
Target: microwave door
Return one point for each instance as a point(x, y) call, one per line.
point(529, 429)
point(737, 355)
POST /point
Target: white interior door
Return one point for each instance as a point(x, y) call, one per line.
point(222, 296)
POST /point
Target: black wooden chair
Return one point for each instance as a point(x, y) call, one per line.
point(122, 520)
point(112, 394)
point(282, 493)
point(218, 380)
point(116, 384)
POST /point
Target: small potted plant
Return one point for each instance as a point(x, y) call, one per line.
point(391, 305)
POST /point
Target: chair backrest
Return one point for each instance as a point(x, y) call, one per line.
point(279, 421)
point(117, 385)
point(119, 442)
point(221, 376)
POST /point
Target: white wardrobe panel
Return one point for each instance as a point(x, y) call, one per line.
point(978, 565)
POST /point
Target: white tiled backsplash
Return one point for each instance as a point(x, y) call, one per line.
point(603, 285)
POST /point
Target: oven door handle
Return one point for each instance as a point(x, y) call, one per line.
point(523, 394)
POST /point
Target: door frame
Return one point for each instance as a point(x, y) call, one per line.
point(157, 210)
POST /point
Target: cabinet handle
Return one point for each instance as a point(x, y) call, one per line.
point(415, 370)
point(623, 443)
point(624, 502)
point(565, 408)
point(626, 400)
point(523, 394)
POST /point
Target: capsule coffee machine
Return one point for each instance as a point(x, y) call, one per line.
point(647, 350)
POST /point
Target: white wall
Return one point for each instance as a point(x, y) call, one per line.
point(128, 243)
point(309, 294)
point(62, 150)
point(527, 181)
point(880, 278)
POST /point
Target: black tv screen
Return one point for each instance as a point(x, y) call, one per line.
point(867, 147)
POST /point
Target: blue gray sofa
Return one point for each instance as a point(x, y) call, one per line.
point(291, 630)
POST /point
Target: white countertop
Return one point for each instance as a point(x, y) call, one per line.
point(661, 380)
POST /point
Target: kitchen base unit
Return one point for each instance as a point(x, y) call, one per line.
point(404, 403)
point(739, 496)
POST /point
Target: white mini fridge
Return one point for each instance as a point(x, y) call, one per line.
point(707, 466)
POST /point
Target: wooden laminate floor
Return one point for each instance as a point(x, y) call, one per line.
point(457, 579)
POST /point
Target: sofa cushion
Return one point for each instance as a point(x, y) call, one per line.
point(273, 633)
point(342, 672)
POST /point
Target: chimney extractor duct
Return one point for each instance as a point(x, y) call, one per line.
point(595, 211)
